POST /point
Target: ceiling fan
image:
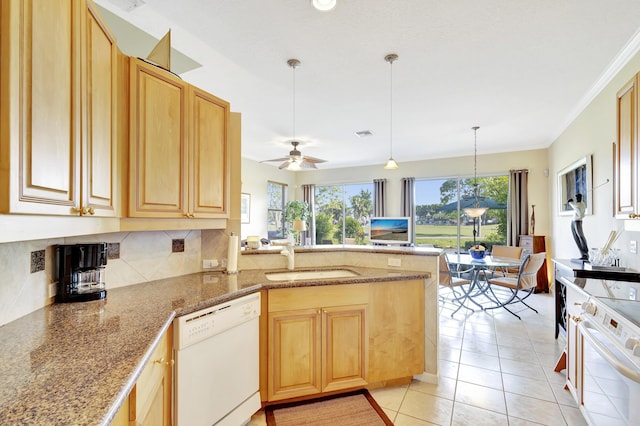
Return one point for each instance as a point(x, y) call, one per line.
point(295, 160)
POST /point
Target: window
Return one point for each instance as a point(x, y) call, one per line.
point(439, 222)
point(342, 213)
point(276, 199)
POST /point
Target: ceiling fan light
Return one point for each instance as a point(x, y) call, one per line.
point(293, 166)
point(475, 211)
point(324, 5)
point(391, 164)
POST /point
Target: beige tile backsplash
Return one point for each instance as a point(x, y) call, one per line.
point(144, 256)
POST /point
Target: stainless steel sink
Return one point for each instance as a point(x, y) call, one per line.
point(310, 275)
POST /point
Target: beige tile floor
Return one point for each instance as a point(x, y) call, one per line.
point(494, 370)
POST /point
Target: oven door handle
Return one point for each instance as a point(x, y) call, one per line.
point(584, 327)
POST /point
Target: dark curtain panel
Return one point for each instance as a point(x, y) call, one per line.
point(379, 196)
point(518, 211)
point(308, 195)
point(408, 200)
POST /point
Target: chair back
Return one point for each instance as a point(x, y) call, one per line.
point(527, 277)
point(445, 272)
point(510, 252)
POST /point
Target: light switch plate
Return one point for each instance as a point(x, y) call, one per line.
point(633, 246)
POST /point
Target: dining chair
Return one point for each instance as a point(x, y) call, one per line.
point(452, 279)
point(524, 283)
point(510, 252)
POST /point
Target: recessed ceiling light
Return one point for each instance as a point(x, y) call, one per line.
point(364, 133)
point(324, 5)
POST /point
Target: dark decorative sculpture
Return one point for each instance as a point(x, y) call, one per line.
point(579, 208)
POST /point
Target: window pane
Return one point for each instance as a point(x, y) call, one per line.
point(358, 211)
point(439, 222)
point(436, 213)
point(329, 208)
point(276, 199)
point(342, 213)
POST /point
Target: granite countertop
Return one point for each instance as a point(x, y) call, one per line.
point(76, 363)
point(598, 283)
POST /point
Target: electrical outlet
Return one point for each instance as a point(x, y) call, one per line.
point(210, 279)
point(632, 293)
point(633, 246)
point(394, 261)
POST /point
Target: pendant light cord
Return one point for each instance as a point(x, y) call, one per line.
point(475, 161)
point(391, 108)
point(294, 102)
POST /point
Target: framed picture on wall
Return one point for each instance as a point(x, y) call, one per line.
point(575, 180)
point(245, 207)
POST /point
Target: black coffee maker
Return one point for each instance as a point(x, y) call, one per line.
point(79, 270)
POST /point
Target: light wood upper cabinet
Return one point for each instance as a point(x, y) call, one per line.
point(99, 181)
point(626, 155)
point(158, 151)
point(178, 147)
point(56, 80)
point(209, 126)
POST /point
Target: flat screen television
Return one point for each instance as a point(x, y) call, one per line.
point(390, 230)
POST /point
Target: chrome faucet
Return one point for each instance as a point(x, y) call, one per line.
point(289, 252)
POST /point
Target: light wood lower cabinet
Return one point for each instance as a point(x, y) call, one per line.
point(329, 338)
point(317, 340)
point(396, 330)
point(149, 402)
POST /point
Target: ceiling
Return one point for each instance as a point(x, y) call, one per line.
point(521, 70)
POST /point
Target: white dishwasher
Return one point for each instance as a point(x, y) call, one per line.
point(217, 364)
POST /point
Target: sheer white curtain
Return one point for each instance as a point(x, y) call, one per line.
point(379, 197)
point(308, 195)
point(408, 200)
point(518, 212)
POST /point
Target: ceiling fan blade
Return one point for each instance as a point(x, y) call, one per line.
point(276, 159)
point(313, 160)
point(285, 164)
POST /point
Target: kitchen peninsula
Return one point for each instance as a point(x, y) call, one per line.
point(77, 363)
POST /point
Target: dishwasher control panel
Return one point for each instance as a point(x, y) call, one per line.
point(197, 326)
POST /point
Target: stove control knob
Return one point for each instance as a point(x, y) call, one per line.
point(589, 308)
point(633, 343)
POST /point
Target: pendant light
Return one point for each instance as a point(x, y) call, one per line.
point(476, 210)
point(391, 163)
point(294, 63)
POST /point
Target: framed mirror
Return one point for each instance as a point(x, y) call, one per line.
point(573, 180)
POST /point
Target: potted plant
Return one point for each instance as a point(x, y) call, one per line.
point(296, 215)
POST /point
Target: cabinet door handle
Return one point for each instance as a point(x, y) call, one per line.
point(634, 216)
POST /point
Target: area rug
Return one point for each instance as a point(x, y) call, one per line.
point(352, 409)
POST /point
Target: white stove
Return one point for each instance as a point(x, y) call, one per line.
point(610, 353)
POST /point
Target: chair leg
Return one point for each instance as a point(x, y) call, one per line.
point(524, 303)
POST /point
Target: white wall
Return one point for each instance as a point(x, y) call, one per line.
point(535, 161)
point(592, 132)
point(255, 176)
